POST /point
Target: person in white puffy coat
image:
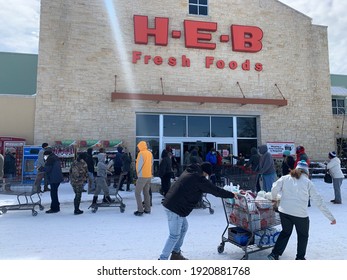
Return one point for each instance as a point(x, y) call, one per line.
point(334, 167)
point(294, 190)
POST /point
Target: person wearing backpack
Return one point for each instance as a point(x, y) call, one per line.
point(78, 177)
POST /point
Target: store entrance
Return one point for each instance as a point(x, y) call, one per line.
point(202, 147)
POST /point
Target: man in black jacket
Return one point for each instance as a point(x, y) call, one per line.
point(54, 177)
point(181, 199)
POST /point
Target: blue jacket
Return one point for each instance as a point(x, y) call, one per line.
point(212, 158)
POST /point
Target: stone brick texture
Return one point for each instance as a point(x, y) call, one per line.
point(85, 44)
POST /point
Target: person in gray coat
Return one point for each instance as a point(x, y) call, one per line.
point(40, 166)
point(334, 167)
point(100, 180)
point(266, 168)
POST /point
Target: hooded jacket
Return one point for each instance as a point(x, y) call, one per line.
point(144, 161)
point(334, 167)
point(301, 155)
point(266, 163)
point(101, 167)
point(187, 191)
point(254, 159)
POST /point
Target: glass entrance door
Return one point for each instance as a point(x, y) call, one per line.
point(177, 156)
point(226, 151)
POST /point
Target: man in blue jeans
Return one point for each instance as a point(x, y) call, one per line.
point(181, 199)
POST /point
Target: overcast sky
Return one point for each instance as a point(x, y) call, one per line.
point(19, 26)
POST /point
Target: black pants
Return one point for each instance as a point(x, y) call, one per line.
point(55, 205)
point(117, 172)
point(125, 176)
point(165, 183)
point(302, 228)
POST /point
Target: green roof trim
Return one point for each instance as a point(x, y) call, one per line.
point(338, 80)
point(18, 73)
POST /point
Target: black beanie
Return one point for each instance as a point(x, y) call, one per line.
point(48, 151)
point(206, 167)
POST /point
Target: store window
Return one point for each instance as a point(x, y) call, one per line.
point(198, 7)
point(245, 146)
point(175, 126)
point(147, 125)
point(246, 127)
point(198, 126)
point(338, 106)
point(221, 126)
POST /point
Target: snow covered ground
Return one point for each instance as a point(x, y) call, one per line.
point(109, 234)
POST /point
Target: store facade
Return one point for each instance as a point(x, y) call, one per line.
point(227, 74)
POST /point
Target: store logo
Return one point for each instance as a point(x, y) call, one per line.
point(197, 34)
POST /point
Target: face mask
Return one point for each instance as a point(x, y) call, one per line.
point(45, 157)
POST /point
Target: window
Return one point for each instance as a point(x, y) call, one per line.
point(246, 127)
point(198, 126)
point(338, 106)
point(198, 7)
point(147, 125)
point(175, 126)
point(222, 126)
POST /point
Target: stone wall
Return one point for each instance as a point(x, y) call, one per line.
point(82, 49)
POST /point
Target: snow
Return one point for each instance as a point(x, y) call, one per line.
point(109, 234)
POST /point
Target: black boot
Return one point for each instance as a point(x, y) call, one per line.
point(107, 199)
point(95, 200)
point(78, 211)
point(77, 207)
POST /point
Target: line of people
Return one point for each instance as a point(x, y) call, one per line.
point(82, 170)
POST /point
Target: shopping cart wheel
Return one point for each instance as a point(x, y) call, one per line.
point(122, 209)
point(41, 207)
point(94, 209)
point(122, 205)
point(3, 210)
point(220, 248)
point(34, 213)
point(211, 211)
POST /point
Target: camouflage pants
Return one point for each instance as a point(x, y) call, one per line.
point(78, 189)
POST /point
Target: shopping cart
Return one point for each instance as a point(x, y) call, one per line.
point(117, 200)
point(204, 203)
point(26, 198)
point(251, 224)
point(246, 180)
